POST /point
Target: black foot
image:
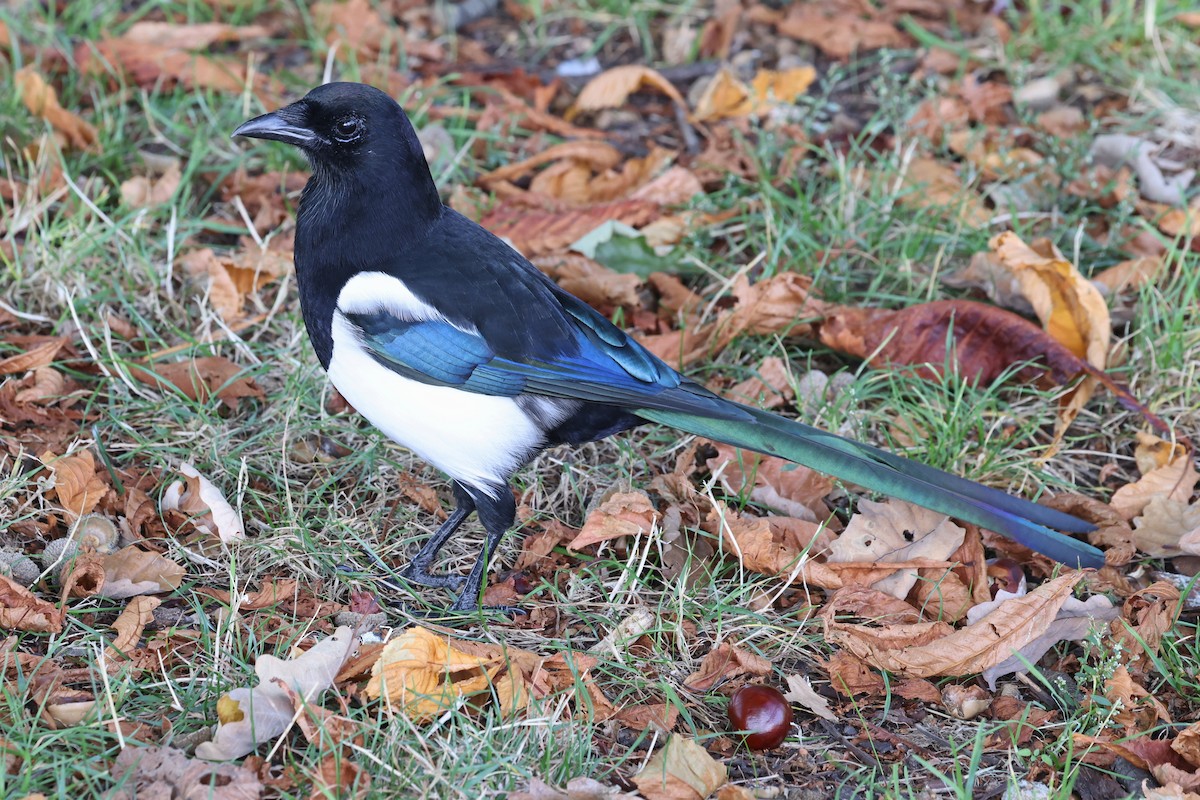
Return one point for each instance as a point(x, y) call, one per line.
point(419, 574)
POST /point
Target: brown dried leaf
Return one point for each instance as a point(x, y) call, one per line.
point(680, 770)
point(130, 625)
point(534, 232)
point(42, 101)
point(930, 184)
point(1176, 481)
point(167, 772)
point(840, 28)
point(202, 378)
point(22, 610)
point(612, 88)
point(926, 650)
point(41, 355)
point(795, 490)
point(46, 386)
point(76, 482)
point(724, 662)
point(851, 676)
point(195, 36)
point(800, 690)
point(894, 531)
point(590, 281)
point(161, 66)
point(770, 387)
point(623, 514)
point(768, 545)
point(131, 571)
point(142, 191)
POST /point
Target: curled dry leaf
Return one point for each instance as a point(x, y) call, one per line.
point(131, 571)
point(612, 88)
point(793, 489)
point(925, 650)
point(77, 484)
point(623, 514)
point(723, 662)
point(36, 357)
point(895, 531)
point(800, 690)
point(205, 507)
point(590, 281)
point(250, 716)
point(167, 772)
point(680, 770)
point(930, 184)
point(769, 387)
point(725, 96)
point(421, 674)
point(130, 625)
point(839, 28)
point(202, 378)
point(22, 610)
point(1072, 310)
point(142, 191)
point(769, 545)
point(42, 101)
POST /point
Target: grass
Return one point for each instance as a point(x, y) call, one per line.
point(80, 260)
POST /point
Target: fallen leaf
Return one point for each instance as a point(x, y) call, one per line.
point(142, 191)
point(76, 482)
point(194, 36)
point(623, 514)
point(421, 674)
point(593, 283)
point(925, 650)
point(770, 386)
point(612, 88)
point(163, 67)
point(795, 490)
point(1175, 481)
point(800, 691)
point(851, 676)
point(535, 232)
point(42, 101)
point(723, 662)
point(930, 184)
point(131, 571)
point(249, 716)
point(22, 610)
point(1071, 309)
point(37, 357)
point(201, 378)
point(894, 531)
point(230, 278)
point(203, 504)
point(725, 96)
point(767, 545)
point(129, 626)
point(166, 772)
point(840, 28)
point(680, 770)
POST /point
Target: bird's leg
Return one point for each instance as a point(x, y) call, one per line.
point(417, 570)
point(497, 514)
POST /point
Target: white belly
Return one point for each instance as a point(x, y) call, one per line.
point(474, 438)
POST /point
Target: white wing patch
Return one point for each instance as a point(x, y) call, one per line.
point(474, 438)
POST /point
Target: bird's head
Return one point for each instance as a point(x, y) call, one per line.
point(343, 127)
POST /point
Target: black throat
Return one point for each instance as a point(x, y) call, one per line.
point(357, 220)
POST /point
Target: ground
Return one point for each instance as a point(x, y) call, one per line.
point(900, 221)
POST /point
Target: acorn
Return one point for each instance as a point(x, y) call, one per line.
point(18, 566)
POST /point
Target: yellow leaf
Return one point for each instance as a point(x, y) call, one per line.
point(42, 101)
point(682, 770)
point(611, 88)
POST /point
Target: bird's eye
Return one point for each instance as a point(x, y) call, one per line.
point(347, 129)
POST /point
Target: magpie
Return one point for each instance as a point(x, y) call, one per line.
point(455, 346)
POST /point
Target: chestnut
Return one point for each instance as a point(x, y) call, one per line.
point(763, 714)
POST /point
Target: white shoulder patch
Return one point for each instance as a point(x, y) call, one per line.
point(378, 291)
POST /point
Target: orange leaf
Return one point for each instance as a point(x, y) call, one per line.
point(612, 88)
point(42, 101)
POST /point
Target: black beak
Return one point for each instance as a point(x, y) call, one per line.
point(274, 126)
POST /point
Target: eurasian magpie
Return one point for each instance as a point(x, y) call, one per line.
point(455, 346)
